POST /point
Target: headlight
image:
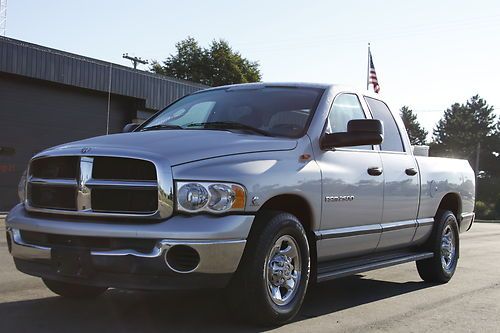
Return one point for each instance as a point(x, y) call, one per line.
point(192, 196)
point(195, 197)
point(21, 188)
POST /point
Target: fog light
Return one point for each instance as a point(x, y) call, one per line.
point(182, 258)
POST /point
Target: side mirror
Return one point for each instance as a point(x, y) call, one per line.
point(130, 127)
point(360, 132)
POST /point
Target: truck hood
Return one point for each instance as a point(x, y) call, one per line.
point(183, 146)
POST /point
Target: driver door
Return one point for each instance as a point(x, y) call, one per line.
point(352, 190)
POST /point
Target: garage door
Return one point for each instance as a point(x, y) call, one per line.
point(36, 115)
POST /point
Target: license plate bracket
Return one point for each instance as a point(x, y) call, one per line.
point(72, 262)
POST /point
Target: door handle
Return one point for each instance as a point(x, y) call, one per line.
point(411, 171)
point(375, 171)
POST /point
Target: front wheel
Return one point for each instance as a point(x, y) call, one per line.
point(71, 290)
point(444, 242)
point(270, 284)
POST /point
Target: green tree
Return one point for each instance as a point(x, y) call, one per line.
point(462, 131)
point(214, 66)
point(416, 132)
point(462, 127)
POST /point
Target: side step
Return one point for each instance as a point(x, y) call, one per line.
point(345, 267)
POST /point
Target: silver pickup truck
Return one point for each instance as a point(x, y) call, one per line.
point(261, 189)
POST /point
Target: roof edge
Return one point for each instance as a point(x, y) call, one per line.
point(98, 61)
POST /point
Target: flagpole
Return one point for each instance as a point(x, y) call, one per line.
point(368, 69)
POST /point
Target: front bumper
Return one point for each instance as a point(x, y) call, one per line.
point(218, 241)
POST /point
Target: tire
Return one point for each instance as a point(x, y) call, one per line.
point(258, 293)
point(71, 290)
point(444, 242)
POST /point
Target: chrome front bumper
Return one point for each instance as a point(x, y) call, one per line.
point(217, 257)
point(219, 242)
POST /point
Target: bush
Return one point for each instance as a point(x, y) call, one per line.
point(484, 211)
point(497, 208)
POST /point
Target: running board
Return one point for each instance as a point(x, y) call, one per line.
point(340, 268)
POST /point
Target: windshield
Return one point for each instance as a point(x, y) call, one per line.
point(274, 111)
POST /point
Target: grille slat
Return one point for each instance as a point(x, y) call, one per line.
point(53, 181)
point(121, 184)
point(93, 185)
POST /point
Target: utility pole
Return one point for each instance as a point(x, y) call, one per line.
point(478, 149)
point(3, 17)
point(135, 60)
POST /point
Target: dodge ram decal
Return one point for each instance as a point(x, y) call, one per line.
point(337, 198)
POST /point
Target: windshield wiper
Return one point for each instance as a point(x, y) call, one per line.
point(229, 125)
point(161, 127)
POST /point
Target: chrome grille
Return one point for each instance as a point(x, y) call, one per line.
point(93, 185)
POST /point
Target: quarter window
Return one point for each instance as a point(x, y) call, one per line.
point(392, 137)
point(346, 107)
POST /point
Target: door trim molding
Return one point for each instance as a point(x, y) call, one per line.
point(425, 221)
point(349, 231)
point(392, 226)
point(367, 229)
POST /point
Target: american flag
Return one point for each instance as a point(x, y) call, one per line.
point(372, 75)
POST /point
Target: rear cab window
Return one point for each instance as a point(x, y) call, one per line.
point(392, 137)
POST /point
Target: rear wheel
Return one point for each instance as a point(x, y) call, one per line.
point(444, 242)
point(72, 290)
point(270, 284)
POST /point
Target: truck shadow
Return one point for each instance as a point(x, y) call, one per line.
point(125, 311)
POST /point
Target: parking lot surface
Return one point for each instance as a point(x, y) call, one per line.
point(393, 299)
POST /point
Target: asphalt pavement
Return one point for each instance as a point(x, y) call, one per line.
point(393, 299)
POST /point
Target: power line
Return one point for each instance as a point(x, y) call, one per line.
point(109, 97)
point(418, 27)
point(429, 111)
point(396, 33)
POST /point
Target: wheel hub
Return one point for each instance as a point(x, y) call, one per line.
point(448, 249)
point(283, 270)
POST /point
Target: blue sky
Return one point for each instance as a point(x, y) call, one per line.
point(428, 54)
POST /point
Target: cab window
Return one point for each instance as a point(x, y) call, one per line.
point(392, 137)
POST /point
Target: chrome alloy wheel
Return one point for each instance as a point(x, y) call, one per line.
point(448, 249)
point(283, 270)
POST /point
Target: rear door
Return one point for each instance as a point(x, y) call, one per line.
point(401, 182)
